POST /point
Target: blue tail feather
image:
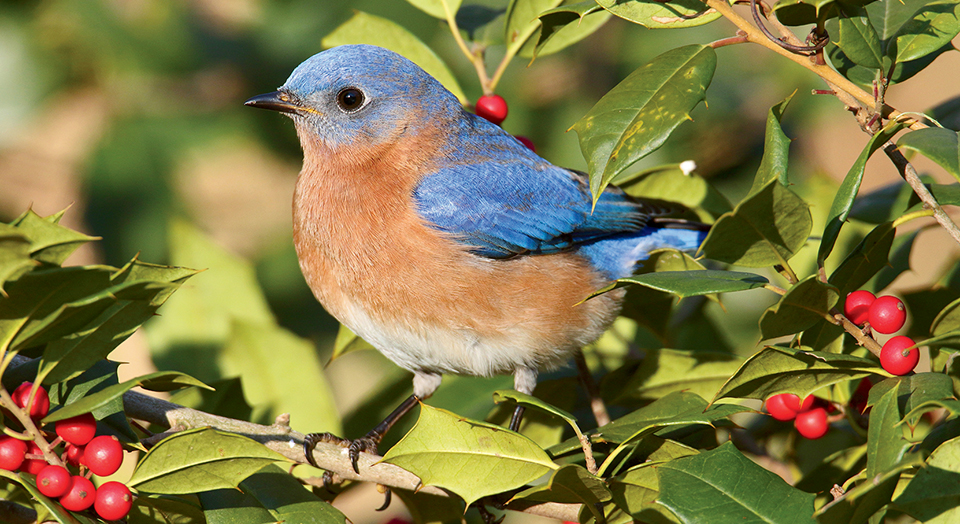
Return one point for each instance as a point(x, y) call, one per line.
point(617, 256)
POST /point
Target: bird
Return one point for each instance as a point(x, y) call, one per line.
point(441, 239)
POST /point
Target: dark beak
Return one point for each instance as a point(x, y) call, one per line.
point(275, 101)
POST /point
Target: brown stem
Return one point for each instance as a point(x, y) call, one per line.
point(863, 339)
point(593, 392)
point(909, 174)
point(475, 58)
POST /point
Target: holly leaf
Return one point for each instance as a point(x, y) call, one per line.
point(766, 228)
point(635, 118)
point(940, 145)
point(777, 369)
point(776, 147)
point(200, 460)
point(800, 308)
point(849, 188)
point(662, 15)
point(721, 485)
point(442, 445)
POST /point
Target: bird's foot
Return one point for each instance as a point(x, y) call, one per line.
point(367, 443)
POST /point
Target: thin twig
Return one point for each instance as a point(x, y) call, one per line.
point(862, 338)
point(923, 213)
point(733, 40)
point(909, 174)
point(776, 289)
point(593, 392)
point(475, 58)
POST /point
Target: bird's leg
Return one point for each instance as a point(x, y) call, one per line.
point(424, 384)
point(524, 381)
point(516, 418)
point(368, 442)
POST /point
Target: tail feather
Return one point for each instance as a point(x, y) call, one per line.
point(617, 256)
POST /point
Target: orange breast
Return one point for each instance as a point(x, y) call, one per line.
point(419, 296)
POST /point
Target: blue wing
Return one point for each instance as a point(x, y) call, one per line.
point(504, 208)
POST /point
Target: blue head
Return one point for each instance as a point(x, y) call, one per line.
point(360, 93)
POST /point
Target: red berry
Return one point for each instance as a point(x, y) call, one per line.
point(778, 410)
point(33, 466)
point(77, 430)
point(793, 402)
point(492, 107)
point(894, 360)
point(11, 452)
point(812, 424)
point(527, 142)
point(857, 306)
point(785, 406)
point(103, 455)
point(887, 314)
point(81, 495)
point(74, 454)
point(54, 481)
point(41, 405)
point(113, 501)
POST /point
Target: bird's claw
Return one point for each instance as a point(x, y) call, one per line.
point(367, 443)
point(311, 440)
point(329, 481)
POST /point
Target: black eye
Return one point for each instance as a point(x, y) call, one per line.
point(350, 99)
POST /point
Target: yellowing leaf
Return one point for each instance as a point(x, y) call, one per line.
point(472, 459)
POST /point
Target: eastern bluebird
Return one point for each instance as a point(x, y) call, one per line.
point(441, 239)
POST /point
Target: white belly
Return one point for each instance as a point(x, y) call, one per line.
point(416, 346)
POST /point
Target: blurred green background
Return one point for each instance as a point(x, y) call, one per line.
point(131, 113)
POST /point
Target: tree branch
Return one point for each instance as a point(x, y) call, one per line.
point(289, 443)
point(840, 84)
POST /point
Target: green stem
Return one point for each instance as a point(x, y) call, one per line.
point(775, 289)
point(912, 216)
point(513, 48)
point(475, 58)
point(788, 272)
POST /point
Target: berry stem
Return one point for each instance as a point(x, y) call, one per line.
point(30, 429)
point(863, 339)
point(16, 434)
point(475, 58)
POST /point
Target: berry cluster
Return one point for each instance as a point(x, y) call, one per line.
point(88, 453)
point(494, 108)
point(885, 315)
point(809, 419)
